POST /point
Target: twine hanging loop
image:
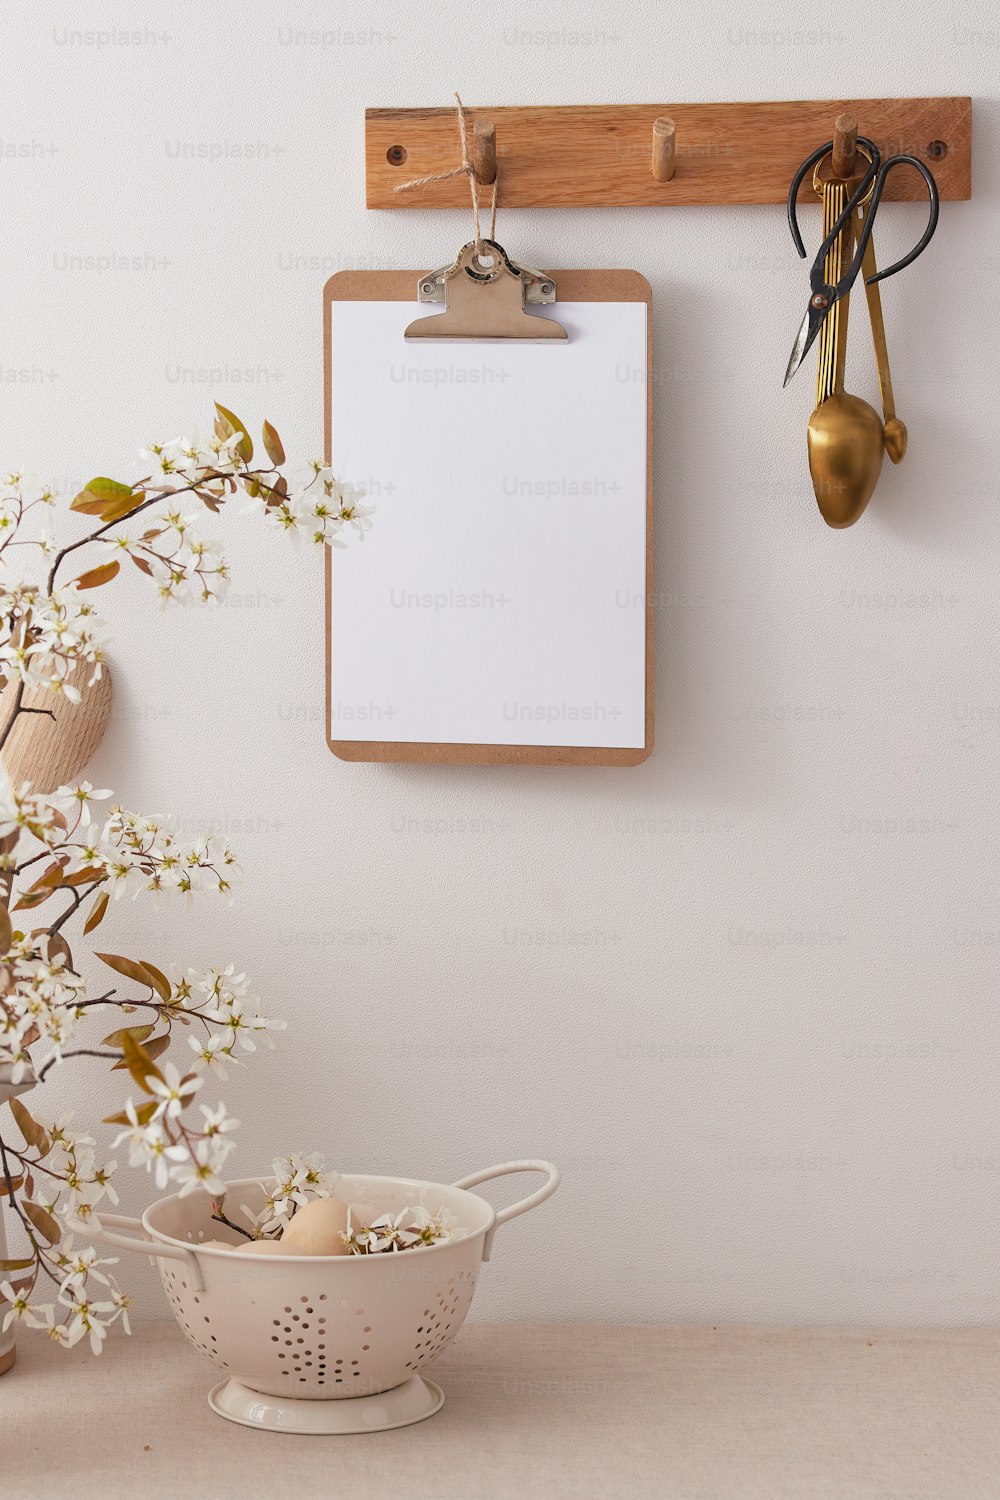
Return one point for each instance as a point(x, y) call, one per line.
point(468, 170)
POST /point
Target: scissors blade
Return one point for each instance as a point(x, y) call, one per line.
point(803, 343)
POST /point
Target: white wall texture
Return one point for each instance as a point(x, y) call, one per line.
point(747, 993)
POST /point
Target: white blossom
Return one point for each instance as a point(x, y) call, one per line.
point(83, 794)
point(202, 1166)
point(172, 1090)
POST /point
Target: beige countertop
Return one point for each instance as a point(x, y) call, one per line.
point(560, 1411)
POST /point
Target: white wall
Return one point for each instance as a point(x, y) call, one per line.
point(745, 994)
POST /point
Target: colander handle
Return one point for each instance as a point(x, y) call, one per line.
point(108, 1236)
point(521, 1207)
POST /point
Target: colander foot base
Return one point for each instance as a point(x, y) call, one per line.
point(410, 1402)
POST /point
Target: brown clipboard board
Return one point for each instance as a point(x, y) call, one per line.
point(573, 286)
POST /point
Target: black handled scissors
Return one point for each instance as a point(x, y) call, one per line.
point(870, 189)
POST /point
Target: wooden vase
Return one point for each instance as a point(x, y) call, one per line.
point(51, 751)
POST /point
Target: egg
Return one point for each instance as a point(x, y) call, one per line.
point(267, 1247)
point(316, 1229)
point(216, 1245)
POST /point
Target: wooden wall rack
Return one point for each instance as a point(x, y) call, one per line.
point(626, 155)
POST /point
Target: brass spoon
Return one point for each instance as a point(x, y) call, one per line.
point(845, 434)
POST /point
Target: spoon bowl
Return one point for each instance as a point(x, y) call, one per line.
point(846, 444)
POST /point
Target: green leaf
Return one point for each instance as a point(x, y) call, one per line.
point(97, 576)
point(244, 447)
point(16, 1265)
point(272, 443)
point(106, 498)
point(6, 930)
point(34, 1134)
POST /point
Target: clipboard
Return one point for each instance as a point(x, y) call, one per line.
point(559, 289)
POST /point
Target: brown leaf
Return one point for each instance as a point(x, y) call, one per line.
point(50, 879)
point(143, 1113)
point(34, 1134)
point(131, 968)
point(161, 984)
point(139, 1062)
point(97, 911)
point(85, 876)
point(142, 565)
point(154, 1048)
point(32, 899)
point(53, 945)
point(42, 1220)
point(59, 945)
point(114, 1038)
point(97, 576)
point(6, 929)
point(272, 443)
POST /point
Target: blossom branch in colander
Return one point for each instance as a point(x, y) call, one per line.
point(54, 848)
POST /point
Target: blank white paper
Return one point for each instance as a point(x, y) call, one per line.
point(500, 597)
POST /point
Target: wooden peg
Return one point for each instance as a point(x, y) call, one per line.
point(845, 144)
point(484, 151)
point(664, 144)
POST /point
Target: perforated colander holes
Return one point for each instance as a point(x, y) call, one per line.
point(295, 1333)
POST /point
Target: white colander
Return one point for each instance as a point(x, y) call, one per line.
point(296, 1334)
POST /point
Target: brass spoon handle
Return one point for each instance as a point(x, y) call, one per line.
point(895, 430)
point(833, 334)
point(868, 269)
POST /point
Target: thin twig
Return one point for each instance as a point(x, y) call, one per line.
point(18, 699)
point(78, 1052)
point(221, 1219)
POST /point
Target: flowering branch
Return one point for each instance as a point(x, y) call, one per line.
point(50, 1177)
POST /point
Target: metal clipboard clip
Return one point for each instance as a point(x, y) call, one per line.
point(485, 297)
